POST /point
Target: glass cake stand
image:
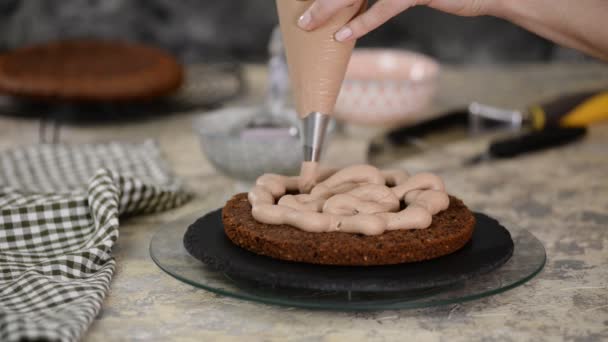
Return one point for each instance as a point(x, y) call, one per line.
point(168, 252)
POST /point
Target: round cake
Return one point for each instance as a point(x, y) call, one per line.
point(449, 231)
point(89, 71)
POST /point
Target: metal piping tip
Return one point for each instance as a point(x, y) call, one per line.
point(314, 129)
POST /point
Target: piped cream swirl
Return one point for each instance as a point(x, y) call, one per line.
point(358, 199)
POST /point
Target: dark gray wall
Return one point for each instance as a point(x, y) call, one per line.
point(211, 29)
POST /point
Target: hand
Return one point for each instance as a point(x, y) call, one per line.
point(577, 24)
point(383, 10)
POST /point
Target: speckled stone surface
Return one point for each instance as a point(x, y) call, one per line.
point(561, 196)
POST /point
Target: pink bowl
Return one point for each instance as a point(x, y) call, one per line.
point(385, 87)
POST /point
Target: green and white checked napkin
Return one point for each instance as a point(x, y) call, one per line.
point(59, 215)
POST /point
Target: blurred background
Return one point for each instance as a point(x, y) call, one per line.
point(207, 30)
point(220, 65)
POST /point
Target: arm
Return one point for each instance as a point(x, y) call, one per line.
point(577, 24)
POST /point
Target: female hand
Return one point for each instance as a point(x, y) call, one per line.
point(382, 11)
point(576, 24)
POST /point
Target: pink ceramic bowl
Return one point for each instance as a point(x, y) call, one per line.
point(387, 87)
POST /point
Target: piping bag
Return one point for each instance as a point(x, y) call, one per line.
point(317, 65)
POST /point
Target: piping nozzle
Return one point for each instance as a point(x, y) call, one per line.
point(314, 130)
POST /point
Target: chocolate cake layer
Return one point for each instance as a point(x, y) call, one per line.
point(451, 230)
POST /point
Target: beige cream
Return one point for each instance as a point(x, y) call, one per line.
point(309, 173)
point(317, 62)
point(358, 199)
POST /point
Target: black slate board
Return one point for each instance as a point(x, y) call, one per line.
point(490, 247)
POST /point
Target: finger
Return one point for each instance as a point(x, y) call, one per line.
point(468, 8)
point(378, 14)
point(320, 11)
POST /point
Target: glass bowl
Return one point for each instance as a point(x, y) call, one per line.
point(245, 142)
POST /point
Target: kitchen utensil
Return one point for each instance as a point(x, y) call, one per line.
point(387, 88)
point(490, 247)
point(573, 110)
point(317, 64)
point(530, 142)
point(245, 142)
point(168, 252)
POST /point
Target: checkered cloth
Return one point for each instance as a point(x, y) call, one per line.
point(59, 210)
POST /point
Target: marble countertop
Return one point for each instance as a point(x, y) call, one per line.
point(561, 196)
